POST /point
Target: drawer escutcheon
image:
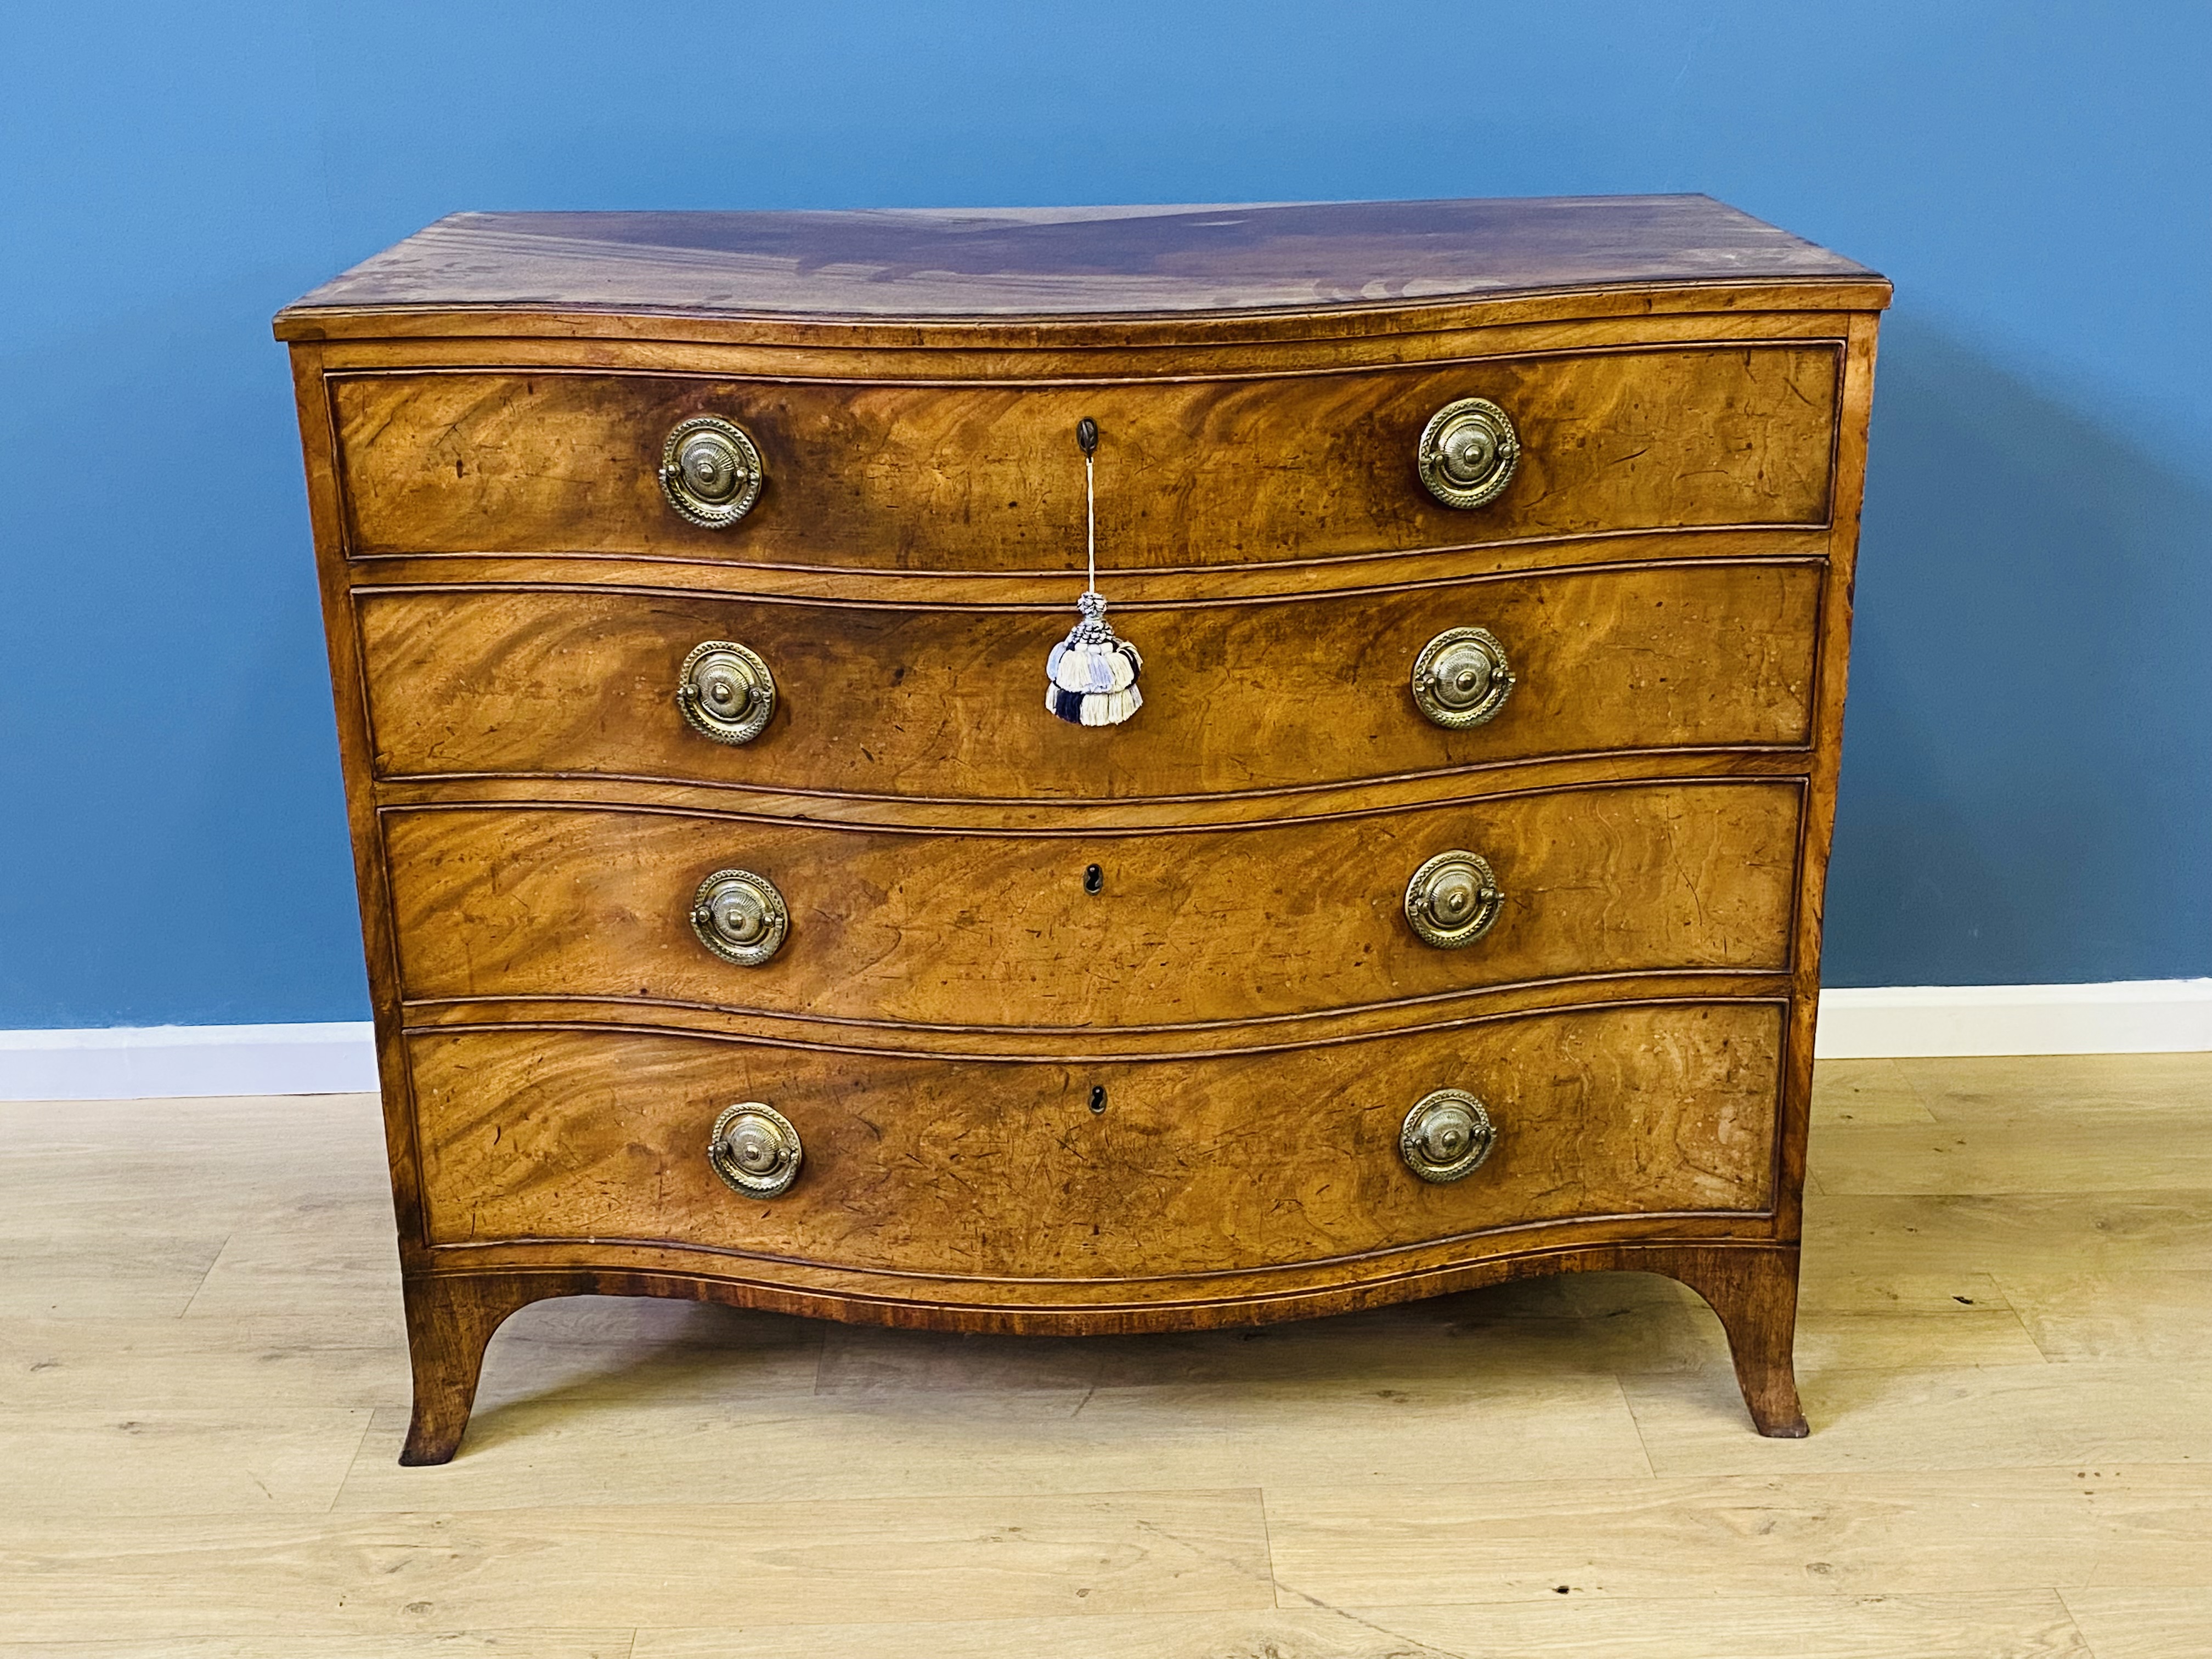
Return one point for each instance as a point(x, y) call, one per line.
point(1446, 1135)
point(754, 1150)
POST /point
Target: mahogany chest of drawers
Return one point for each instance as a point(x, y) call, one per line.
point(743, 925)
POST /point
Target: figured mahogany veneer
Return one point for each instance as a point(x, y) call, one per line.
point(951, 477)
point(521, 681)
point(1198, 927)
point(1247, 1165)
point(1090, 1030)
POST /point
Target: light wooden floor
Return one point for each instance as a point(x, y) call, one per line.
point(2003, 1352)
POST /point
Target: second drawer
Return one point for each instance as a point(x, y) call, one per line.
point(1074, 931)
point(949, 702)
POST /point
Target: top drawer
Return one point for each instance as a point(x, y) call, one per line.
point(986, 476)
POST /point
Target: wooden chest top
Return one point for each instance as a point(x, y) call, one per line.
point(1066, 263)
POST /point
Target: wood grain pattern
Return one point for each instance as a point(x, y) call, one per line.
point(1194, 1167)
point(1191, 474)
point(1450, 1012)
point(2161, 1314)
point(2141, 1624)
point(1931, 1415)
point(350, 702)
point(994, 931)
point(1239, 698)
point(1832, 1535)
point(904, 1480)
point(1816, 828)
point(263, 1463)
point(1138, 815)
point(1957, 1624)
point(1538, 1422)
point(155, 1580)
point(535, 1642)
point(965, 262)
point(449, 1321)
point(1018, 591)
point(1030, 352)
point(481, 412)
point(1681, 1246)
point(1986, 1156)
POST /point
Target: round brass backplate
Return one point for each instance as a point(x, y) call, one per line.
point(726, 691)
point(1467, 453)
point(754, 1150)
point(1461, 677)
point(1446, 1135)
point(1453, 900)
point(710, 472)
point(740, 917)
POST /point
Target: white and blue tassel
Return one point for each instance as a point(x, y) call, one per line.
point(1091, 678)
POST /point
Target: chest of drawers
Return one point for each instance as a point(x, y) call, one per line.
point(741, 925)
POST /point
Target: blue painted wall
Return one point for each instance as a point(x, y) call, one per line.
point(2028, 783)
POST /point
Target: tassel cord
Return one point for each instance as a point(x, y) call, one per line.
point(1090, 677)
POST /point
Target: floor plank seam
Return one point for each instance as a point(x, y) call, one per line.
point(1268, 1545)
point(2073, 1620)
point(1913, 1088)
point(367, 1428)
point(1315, 1604)
point(1635, 1422)
point(214, 1261)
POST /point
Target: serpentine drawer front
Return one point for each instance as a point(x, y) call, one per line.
point(1239, 470)
point(1093, 770)
point(877, 699)
point(1197, 1165)
point(1205, 925)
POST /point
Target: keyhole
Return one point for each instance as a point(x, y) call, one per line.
point(1097, 1098)
point(1094, 881)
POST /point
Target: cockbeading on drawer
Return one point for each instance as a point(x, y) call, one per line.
point(1196, 1166)
point(972, 477)
point(1177, 929)
point(940, 702)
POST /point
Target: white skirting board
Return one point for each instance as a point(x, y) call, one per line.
point(134, 1062)
point(2128, 1016)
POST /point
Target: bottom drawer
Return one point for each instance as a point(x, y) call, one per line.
point(1001, 1170)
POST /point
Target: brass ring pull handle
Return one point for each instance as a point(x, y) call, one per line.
point(1468, 453)
point(726, 692)
point(710, 472)
point(740, 917)
point(1453, 900)
point(1446, 1135)
point(1461, 677)
point(754, 1150)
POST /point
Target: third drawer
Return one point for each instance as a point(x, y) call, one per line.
point(1184, 927)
